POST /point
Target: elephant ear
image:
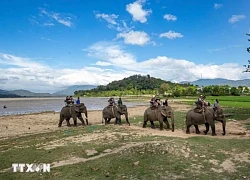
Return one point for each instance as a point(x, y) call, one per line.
point(163, 111)
point(80, 107)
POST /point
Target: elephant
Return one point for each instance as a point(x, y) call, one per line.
point(115, 111)
point(218, 115)
point(161, 114)
point(74, 111)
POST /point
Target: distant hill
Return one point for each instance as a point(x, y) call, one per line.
point(7, 94)
point(220, 81)
point(70, 90)
point(26, 93)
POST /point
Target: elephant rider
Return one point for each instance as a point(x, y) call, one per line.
point(216, 105)
point(111, 101)
point(119, 101)
point(154, 102)
point(165, 103)
point(69, 101)
point(201, 105)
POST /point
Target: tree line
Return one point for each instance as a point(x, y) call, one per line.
point(139, 85)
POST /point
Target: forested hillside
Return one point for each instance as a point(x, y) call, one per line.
point(146, 85)
point(133, 85)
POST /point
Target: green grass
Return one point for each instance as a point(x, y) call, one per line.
point(182, 158)
point(225, 101)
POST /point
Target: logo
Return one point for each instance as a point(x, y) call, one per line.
point(30, 167)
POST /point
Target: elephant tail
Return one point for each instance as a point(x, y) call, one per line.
point(102, 118)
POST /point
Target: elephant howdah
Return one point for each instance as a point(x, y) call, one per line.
point(208, 118)
point(161, 114)
point(74, 112)
point(110, 112)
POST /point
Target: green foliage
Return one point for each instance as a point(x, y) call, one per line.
point(138, 85)
point(248, 49)
point(133, 85)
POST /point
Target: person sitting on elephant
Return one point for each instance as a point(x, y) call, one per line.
point(158, 101)
point(119, 101)
point(154, 102)
point(66, 101)
point(78, 100)
point(165, 103)
point(69, 101)
point(216, 105)
point(111, 101)
point(201, 104)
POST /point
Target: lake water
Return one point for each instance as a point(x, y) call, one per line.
point(34, 105)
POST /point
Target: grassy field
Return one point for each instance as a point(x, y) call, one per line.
point(226, 101)
point(122, 153)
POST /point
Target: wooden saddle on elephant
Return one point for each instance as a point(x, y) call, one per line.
point(199, 110)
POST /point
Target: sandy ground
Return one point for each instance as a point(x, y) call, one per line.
point(20, 125)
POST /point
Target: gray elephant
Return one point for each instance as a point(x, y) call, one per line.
point(161, 114)
point(217, 115)
point(74, 112)
point(110, 112)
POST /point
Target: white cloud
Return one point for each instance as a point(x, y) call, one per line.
point(48, 24)
point(101, 63)
point(109, 18)
point(114, 63)
point(65, 19)
point(135, 37)
point(236, 18)
point(217, 6)
point(111, 53)
point(113, 23)
point(170, 17)
point(171, 35)
point(138, 13)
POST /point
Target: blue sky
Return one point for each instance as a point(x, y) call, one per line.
point(47, 45)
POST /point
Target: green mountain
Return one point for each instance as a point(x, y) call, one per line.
point(70, 90)
point(129, 86)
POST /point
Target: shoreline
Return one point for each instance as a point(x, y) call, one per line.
point(26, 124)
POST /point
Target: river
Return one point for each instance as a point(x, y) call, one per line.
point(35, 105)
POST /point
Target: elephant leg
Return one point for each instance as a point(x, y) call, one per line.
point(81, 119)
point(116, 120)
point(188, 129)
point(119, 120)
point(108, 120)
point(213, 130)
point(68, 123)
point(161, 125)
point(105, 121)
point(207, 128)
point(126, 116)
point(152, 124)
point(60, 121)
point(197, 131)
point(224, 127)
point(144, 124)
point(165, 120)
point(86, 115)
point(75, 121)
point(172, 127)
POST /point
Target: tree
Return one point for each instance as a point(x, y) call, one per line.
point(248, 50)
